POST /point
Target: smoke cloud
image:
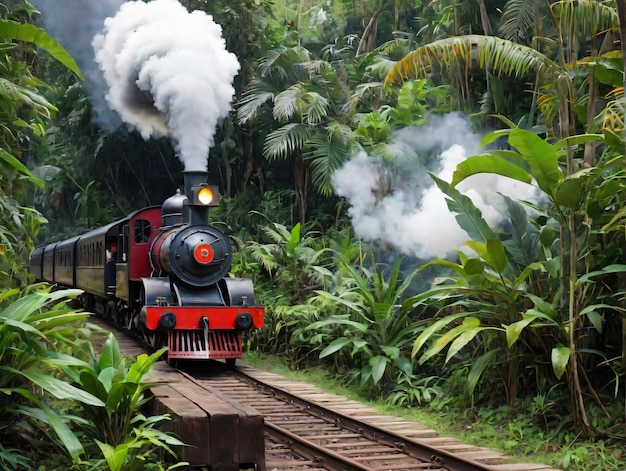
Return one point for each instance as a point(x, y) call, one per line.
point(168, 73)
point(412, 215)
point(74, 23)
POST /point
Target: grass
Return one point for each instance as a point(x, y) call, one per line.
point(512, 431)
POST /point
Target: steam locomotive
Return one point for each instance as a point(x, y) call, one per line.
point(163, 272)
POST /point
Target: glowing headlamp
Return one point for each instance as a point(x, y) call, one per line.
point(205, 195)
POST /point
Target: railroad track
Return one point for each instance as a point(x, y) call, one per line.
point(308, 429)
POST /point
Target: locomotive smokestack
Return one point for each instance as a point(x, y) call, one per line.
point(194, 177)
point(192, 213)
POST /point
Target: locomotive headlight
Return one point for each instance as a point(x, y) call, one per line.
point(205, 195)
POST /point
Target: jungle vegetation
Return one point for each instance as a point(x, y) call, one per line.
point(524, 317)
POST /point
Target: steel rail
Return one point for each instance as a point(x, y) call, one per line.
point(412, 447)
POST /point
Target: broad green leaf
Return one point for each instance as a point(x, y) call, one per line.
point(547, 235)
point(616, 268)
point(543, 306)
point(119, 393)
point(70, 441)
point(404, 365)
point(19, 166)
point(469, 323)
point(541, 156)
point(568, 191)
point(115, 457)
point(30, 33)
point(497, 255)
point(90, 383)
point(142, 366)
point(489, 164)
point(613, 139)
point(468, 215)
point(378, 364)
point(335, 346)
point(24, 327)
point(560, 357)
point(579, 139)
point(59, 389)
point(110, 355)
point(107, 376)
point(463, 339)
point(514, 330)
point(595, 317)
point(493, 136)
point(295, 235)
point(478, 367)
point(430, 330)
point(391, 352)
point(535, 266)
point(473, 266)
point(596, 320)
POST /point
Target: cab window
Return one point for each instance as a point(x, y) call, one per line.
point(142, 231)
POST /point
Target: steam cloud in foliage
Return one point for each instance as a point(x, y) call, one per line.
point(412, 215)
point(168, 73)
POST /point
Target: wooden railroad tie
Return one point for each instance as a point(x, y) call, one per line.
point(218, 431)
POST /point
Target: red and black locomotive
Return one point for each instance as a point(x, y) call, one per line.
point(163, 271)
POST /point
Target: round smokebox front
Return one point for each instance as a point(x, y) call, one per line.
point(200, 256)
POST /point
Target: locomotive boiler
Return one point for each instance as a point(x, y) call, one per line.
point(163, 272)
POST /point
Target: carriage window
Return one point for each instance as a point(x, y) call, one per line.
point(142, 231)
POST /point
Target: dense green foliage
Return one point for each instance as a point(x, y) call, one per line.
point(524, 315)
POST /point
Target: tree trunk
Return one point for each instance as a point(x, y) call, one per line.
point(368, 40)
point(301, 177)
point(484, 18)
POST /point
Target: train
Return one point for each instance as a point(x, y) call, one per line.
point(162, 272)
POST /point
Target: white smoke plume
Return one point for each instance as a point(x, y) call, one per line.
point(413, 216)
point(168, 73)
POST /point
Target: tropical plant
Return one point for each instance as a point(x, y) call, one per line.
point(291, 260)
point(371, 326)
point(125, 436)
point(305, 96)
point(24, 110)
point(561, 310)
point(35, 327)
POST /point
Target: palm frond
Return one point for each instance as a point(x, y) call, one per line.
point(583, 16)
point(287, 102)
point(316, 108)
point(262, 254)
point(360, 94)
point(258, 94)
point(316, 67)
point(517, 21)
point(278, 233)
point(338, 130)
point(284, 141)
point(280, 63)
point(498, 55)
point(326, 156)
point(269, 63)
point(523, 246)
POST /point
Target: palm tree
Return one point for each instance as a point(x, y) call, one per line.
point(305, 96)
